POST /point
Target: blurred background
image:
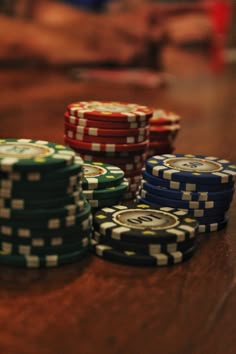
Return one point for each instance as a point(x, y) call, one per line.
point(162, 35)
point(171, 54)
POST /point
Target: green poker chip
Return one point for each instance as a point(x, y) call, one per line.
point(61, 237)
point(110, 192)
point(25, 204)
point(28, 231)
point(56, 222)
point(42, 214)
point(27, 250)
point(104, 202)
point(33, 155)
point(98, 175)
point(39, 194)
point(29, 187)
point(58, 174)
point(46, 261)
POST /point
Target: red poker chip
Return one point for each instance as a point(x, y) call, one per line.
point(162, 117)
point(137, 159)
point(159, 145)
point(126, 156)
point(106, 132)
point(130, 166)
point(162, 129)
point(105, 147)
point(129, 196)
point(164, 141)
point(111, 111)
point(103, 124)
point(134, 173)
point(105, 140)
point(166, 150)
point(135, 179)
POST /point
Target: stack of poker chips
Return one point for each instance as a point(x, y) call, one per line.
point(44, 219)
point(110, 132)
point(103, 184)
point(201, 185)
point(145, 236)
point(164, 127)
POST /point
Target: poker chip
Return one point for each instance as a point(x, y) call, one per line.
point(27, 250)
point(225, 195)
point(68, 172)
point(93, 131)
point(212, 227)
point(192, 168)
point(113, 160)
point(45, 220)
point(21, 204)
point(182, 186)
point(110, 192)
point(162, 117)
point(42, 214)
point(109, 132)
point(46, 261)
point(45, 241)
point(146, 249)
point(28, 187)
point(137, 259)
point(110, 111)
point(30, 231)
point(176, 203)
point(201, 186)
point(98, 175)
point(163, 128)
point(144, 224)
point(104, 124)
point(195, 213)
point(90, 146)
point(105, 140)
point(34, 155)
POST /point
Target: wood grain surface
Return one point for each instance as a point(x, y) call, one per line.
point(99, 307)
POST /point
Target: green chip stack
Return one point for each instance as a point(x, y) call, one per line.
point(103, 184)
point(45, 221)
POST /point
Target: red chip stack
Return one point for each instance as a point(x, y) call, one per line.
point(164, 127)
point(110, 132)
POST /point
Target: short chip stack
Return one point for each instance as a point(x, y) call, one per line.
point(145, 236)
point(201, 185)
point(110, 132)
point(44, 219)
point(164, 127)
point(103, 184)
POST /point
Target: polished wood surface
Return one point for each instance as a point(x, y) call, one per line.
point(99, 307)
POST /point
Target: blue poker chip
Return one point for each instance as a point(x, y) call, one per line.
point(226, 195)
point(196, 213)
point(180, 204)
point(212, 227)
point(189, 187)
point(192, 168)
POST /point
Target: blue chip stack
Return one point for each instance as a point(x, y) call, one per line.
point(203, 185)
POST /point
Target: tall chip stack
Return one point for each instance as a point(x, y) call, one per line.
point(164, 127)
point(45, 221)
point(103, 184)
point(144, 236)
point(110, 132)
point(201, 185)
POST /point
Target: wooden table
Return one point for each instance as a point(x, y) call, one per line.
point(99, 307)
